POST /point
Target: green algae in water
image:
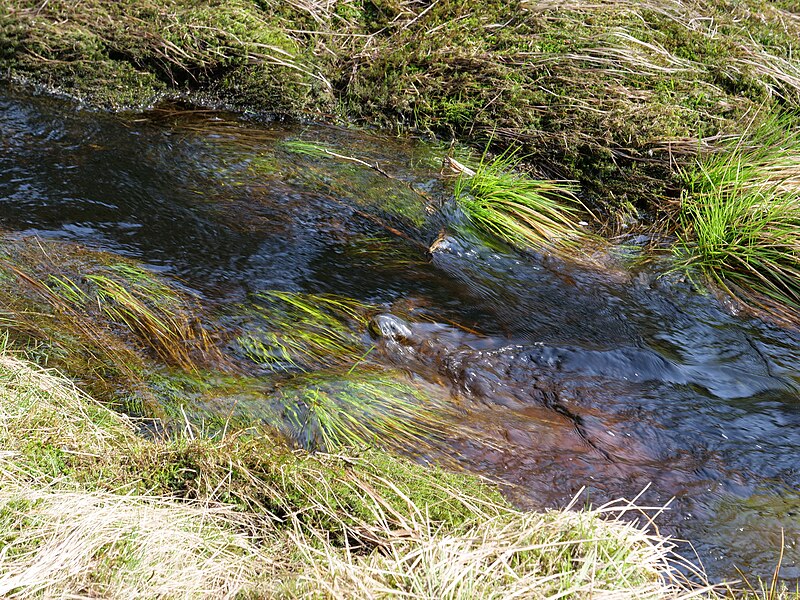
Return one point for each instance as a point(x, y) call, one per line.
point(358, 178)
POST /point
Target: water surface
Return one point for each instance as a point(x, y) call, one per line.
point(594, 375)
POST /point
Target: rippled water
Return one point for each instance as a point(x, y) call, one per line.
point(600, 374)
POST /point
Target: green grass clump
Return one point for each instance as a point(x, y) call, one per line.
point(361, 409)
point(525, 213)
point(306, 332)
point(739, 221)
point(102, 320)
point(155, 312)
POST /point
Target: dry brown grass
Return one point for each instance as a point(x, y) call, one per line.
point(78, 544)
point(61, 538)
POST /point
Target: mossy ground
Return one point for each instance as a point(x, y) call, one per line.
point(612, 94)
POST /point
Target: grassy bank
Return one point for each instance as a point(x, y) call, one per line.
point(612, 94)
point(89, 507)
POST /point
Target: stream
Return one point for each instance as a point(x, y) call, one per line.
point(602, 376)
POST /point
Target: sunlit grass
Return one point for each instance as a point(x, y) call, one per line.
point(739, 222)
point(84, 512)
point(523, 212)
point(364, 409)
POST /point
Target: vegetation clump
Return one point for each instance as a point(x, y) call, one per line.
point(364, 409)
point(739, 220)
point(102, 319)
point(517, 209)
point(136, 340)
point(306, 332)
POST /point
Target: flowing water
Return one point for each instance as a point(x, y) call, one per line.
point(597, 374)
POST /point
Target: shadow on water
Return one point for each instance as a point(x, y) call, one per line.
point(603, 376)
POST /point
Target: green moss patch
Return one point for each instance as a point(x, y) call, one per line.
point(611, 94)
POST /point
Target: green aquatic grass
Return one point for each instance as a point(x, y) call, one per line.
point(306, 332)
point(523, 212)
point(362, 409)
point(739, 221)
point(102, 320)
point(305, 148)
point(158, 315)
point(154, 311)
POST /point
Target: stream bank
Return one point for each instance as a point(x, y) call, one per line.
point(195, 267)
point(619, 96)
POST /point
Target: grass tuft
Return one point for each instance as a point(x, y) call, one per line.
point(363, 409)
point(525, 213)
point(306, 332)
point(739, 221)
point(60, 543)
point(100, 319)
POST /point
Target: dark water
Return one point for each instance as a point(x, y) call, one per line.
point(595, 375)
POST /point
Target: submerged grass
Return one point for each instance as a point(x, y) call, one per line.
point(101, 319)
point(365, 409)
point(305, 148)
point(517, 209)
point(739, 221)
point(246, 517)
point(132, 339)
point(333, 394)
point(306, 332)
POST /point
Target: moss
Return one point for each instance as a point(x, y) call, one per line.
point(601, 92)
point(122, 54)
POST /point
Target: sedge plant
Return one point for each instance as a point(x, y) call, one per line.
point(524, 212)
point(739, 222)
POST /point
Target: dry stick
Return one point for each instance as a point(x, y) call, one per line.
point(420, 15)
point(376, 166)
point(457, 166)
